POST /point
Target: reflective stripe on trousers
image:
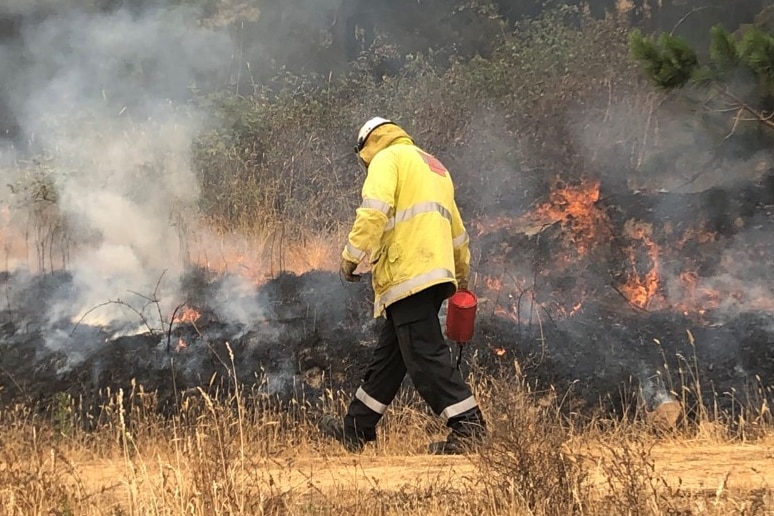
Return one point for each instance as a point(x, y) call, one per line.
point(370, 401)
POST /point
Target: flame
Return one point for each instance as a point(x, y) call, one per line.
point(574, 206)
point(691, 296)
point(181, 344)
point(698, 296)
point(656, 275)
point(583, 226)
point(257, 258)
point(666, 277)
point(498, 351)
point(699, 234)
point(695, 298)
point(187, 315)
point(569, 312)
point(260, 258)
point(641, 289)
point(576, 201)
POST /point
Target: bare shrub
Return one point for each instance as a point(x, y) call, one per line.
point(528, 457)
point(46, 228)
point(283, 157)
point(633, 481)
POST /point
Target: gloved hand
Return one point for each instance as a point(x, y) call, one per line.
point(347, 270)
point(462, 284)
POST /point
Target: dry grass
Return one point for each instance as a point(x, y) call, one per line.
point(243, 452)
point(262, 256)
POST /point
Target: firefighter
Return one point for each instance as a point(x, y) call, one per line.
point(409, 228)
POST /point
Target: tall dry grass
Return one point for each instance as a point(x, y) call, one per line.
point(242, 452)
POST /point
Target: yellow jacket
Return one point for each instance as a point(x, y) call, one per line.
point(408, 223)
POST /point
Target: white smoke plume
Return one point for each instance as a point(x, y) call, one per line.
point(101, 96)
point(235, 302)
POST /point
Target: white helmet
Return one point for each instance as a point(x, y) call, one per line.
point(366, 130)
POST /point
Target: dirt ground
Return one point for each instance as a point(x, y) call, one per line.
point(693, 466)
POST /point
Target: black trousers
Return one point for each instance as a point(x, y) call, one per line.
point(411, 341)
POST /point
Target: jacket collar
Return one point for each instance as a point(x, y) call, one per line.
point(381, 138)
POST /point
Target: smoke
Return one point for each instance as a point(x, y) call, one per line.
point(11, 8)
point(639, 141)
point(653, 388)
point(100, 97)
point(234, 301)
point(101, 101)
point(488, 140)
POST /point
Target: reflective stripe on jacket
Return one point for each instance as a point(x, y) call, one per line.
point(408, 223)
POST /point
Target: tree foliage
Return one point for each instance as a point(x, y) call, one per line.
point(735, 75)
point(669, 61)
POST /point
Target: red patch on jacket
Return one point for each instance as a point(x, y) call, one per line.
point(435, 165)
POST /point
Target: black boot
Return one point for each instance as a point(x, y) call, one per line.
point(457, 444)
point(334, 427)
point(468, 434)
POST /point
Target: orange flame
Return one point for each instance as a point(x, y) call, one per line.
point(181, 345)
point(570, 201)
point(498, 351)
point(187, 315)
point(569, 312)
point(699, 234)
point(574, 206)
point(695, 299)
point(260, 258)
point(639, 289)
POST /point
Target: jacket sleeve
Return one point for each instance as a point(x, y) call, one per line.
point(461, 243)
point(378, 201)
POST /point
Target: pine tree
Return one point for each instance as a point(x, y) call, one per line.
point(736, 76)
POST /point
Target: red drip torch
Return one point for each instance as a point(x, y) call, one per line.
point(460, 318)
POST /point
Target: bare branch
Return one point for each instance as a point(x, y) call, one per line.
point(758, 116)
point(143, 319)
point(736, 123)
point(90, 310)
point(687, 15)
point(171, 322)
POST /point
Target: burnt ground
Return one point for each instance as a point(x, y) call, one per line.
point(316, 333)
point(303, 327)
